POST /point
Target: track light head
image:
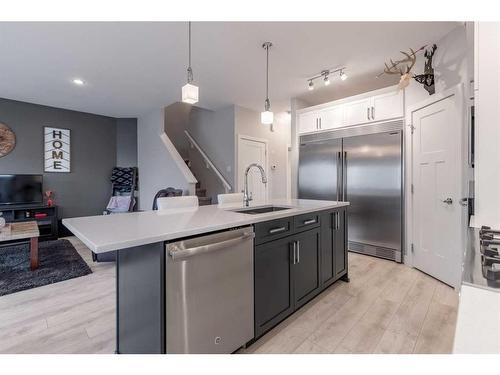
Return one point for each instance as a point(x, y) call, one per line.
point(311, 85)
point(343, 76)
point(326, 80)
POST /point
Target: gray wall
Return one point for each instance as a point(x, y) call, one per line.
point(214, 132)
point(157, 168)
point(126, 142)
point(84, 191)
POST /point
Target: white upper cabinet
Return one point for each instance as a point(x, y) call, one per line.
point(329, 118)
point(308, 122)
point(332, 118)
point(387, 106)
point(357, 112)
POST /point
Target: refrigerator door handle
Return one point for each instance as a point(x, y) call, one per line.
point(344, 177)
point(339, 175)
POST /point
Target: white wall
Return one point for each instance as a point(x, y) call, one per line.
point(487, 126)
point(157, 169)
point(247, 122)
point(450, 66)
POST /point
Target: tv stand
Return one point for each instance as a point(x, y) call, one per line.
point(45, 217)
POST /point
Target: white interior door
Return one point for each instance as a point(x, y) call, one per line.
point(250, 151)
point(437, 179)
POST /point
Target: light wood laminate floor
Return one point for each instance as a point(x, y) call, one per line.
point(386, 308)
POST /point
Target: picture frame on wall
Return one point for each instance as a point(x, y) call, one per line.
point(57, 150)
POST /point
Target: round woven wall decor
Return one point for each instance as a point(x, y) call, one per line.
point(7, 139)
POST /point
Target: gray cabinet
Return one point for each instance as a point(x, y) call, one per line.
point(306, 267)
point(273, 283)
point(333, 246)
point(309, 255)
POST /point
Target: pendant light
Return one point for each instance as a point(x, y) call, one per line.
point(267, 116)
point(189, 91)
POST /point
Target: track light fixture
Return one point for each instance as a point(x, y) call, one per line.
point(325, 74)
point(326, 80)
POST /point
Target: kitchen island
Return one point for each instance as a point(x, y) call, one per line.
point(298, 248)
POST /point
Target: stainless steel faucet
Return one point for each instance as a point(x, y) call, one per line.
point(246, 196)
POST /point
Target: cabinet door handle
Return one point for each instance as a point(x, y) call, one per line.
point(277, 230)
point(320, 123)
point(298, 251)
point(373, 113)
point(368, 113)
point(317, 124)
point(310, 221)
point(337, 220)
point(294, 250)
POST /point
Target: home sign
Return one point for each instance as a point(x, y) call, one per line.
point(57, 149)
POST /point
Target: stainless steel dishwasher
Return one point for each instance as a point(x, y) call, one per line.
point(209, 292)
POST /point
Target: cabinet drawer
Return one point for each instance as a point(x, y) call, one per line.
point(306, 221)
point(271, 230)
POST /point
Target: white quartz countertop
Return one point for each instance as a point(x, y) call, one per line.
point(120, 231)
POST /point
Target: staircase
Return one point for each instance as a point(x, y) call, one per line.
point(203, 200)
point(201, 193)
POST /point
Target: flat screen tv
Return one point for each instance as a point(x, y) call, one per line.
point(21, 189)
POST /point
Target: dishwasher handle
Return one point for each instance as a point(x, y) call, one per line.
point(179, 254)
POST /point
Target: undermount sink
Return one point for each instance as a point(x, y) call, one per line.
point(261, 210)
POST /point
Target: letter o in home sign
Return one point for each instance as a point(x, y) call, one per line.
point(57, 149)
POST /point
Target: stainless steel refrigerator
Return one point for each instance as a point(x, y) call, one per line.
point(362, 165)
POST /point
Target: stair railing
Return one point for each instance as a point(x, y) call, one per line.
point(208, 162)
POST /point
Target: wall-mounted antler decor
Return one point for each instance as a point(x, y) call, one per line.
point(402, 67)
point(427, 79)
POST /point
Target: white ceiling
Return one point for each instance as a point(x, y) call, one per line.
point(133, 67)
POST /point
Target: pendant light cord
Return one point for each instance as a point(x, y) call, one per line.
point(189, 70)
point(267, 103)
point(267, 72)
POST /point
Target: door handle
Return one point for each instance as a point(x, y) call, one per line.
point(294, 250)
point(298, 251)
point(339, 182)
point(464, 201)
point(448, 201)
point(344, 177)
point(336, 222)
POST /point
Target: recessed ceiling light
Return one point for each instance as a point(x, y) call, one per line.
point(78, 81)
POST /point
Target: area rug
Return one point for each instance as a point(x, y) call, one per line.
point(58, 259)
